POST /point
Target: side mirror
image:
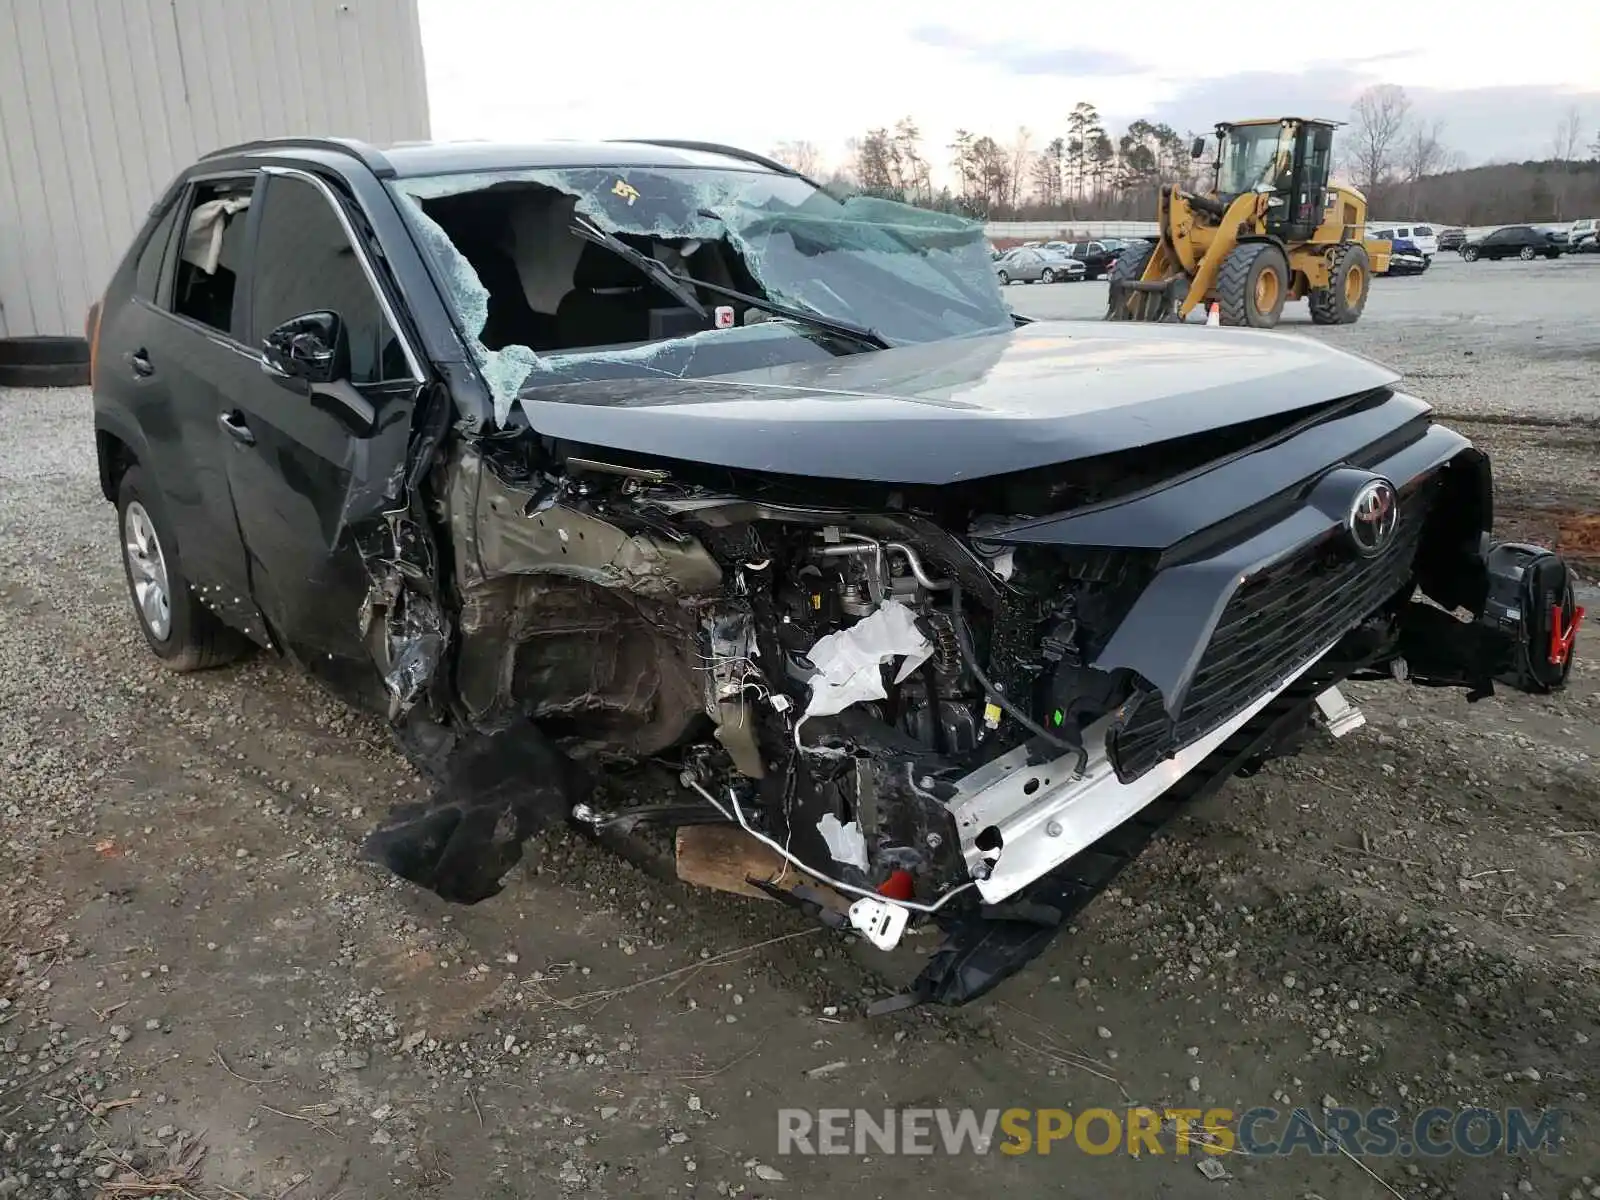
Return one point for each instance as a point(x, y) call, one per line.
point(310, 356)
point(305, 350)
point(1197, 147)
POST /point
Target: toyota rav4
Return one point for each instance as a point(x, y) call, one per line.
point(649, 485)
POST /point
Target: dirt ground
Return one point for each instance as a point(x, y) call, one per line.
point(204, 994)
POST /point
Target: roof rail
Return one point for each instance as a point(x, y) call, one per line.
point(371, 157)
point(762, 160)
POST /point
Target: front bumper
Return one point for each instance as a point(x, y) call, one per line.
point(1222, 632)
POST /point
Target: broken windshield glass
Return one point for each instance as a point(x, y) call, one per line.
point(530, 293)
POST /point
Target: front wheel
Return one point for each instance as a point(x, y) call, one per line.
point(1129, 268)
point(1049, 276)
point(1526, 254)
point(1468, 254)
point(1005, 279)
point(1252, 285)
point(1349, 280)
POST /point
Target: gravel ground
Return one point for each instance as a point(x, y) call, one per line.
point(203, 993)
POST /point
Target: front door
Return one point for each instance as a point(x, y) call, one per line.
point(305, 480)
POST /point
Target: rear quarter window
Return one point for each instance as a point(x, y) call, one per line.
point(147, 271)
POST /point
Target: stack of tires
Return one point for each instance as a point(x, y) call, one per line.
point(44, 361)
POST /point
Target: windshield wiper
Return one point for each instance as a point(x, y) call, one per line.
point(682, 287)
point(864, 334)
point(652, 268)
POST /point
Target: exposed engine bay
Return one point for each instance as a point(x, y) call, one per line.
point(819, 674)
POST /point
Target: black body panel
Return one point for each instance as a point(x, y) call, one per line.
point(961, 409)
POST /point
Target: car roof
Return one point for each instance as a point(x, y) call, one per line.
point(407, 159)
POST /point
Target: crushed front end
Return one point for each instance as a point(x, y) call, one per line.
point(924, 704)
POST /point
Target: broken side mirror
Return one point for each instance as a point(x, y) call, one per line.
point(310, 355)
point(1197, 147)
point(305, 350)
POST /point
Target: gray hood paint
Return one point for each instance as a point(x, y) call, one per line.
point(964, 408)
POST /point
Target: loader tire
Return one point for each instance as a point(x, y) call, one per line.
point(1129, 268)
point(1349, 279)
point(1252, 285)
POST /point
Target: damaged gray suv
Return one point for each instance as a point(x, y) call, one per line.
point(651, 487)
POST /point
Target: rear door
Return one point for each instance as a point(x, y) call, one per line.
point(305, 477)
point(176, 347)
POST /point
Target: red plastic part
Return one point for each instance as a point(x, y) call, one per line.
point(1561, 639)
point(899, 886)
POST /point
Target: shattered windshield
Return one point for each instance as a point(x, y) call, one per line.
point(1253, 155)
point(541, 299)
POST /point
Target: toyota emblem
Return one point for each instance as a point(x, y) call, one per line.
point(1374, 515)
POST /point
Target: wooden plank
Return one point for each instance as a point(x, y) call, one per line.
point(725, 858)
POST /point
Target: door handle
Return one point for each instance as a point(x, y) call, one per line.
point(233, 425)
point(141, 364)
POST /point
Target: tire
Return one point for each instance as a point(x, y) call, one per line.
point(1129, 268)
point(192, 637)
point(44, 361)
point(1335, 304)
point(1005, 280)
point(1526, 254)
point(1252, 285)
point(1469, 254)
point(1049, 276)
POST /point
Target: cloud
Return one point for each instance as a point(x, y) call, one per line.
point(1484, 124)
point(1022, 59)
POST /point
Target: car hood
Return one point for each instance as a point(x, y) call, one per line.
point(965, 408)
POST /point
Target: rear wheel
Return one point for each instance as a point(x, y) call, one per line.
point(1004, 279)
point(182, 632)
point(1252, 285)
point(1349, 278)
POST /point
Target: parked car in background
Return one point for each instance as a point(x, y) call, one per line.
point(1512, 241)
point(1452, 238)
point(1406, 258)
point(1422, 236)
point(1583, 236)
point(1024, 265)
point(1097, 257)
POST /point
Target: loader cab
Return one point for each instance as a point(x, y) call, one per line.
point(1290, 157)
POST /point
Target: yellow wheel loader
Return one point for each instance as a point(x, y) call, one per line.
point(1271, 230)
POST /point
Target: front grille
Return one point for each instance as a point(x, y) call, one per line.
point(1277, 619)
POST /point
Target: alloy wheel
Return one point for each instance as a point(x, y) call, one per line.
point(147, 568)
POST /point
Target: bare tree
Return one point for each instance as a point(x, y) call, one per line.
point(1021, 156)
point(1568, 137)
point(915, 172)
point(1422, 150)
point(1378, 120)
point(803, 156)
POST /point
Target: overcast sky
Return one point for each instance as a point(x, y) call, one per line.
point(759, 73)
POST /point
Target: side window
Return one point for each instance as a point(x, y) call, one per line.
point(305, 263)
point(147, 271)
point(211, 252)
point(1404, 233)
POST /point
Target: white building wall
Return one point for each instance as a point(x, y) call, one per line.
point(102, 102)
